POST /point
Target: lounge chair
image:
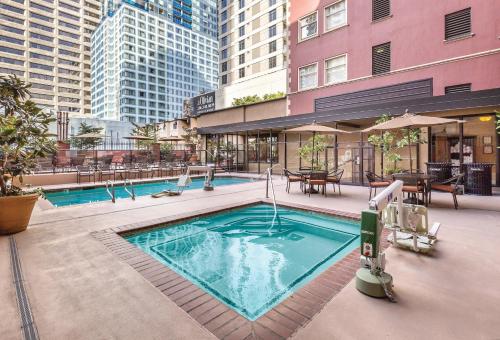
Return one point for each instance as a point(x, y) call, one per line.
point(334, 177)
point(182, 183)
point(450, 185)
point(293, 177)
point(84, 171)
point(106, 170)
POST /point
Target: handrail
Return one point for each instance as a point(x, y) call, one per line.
point(270, 179)
point(112, 192)
point(131, 185)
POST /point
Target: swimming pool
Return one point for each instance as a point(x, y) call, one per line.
point(96, 194)
point(244, 260)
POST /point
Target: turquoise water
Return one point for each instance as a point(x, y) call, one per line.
point(82, 196)
point(245, 261)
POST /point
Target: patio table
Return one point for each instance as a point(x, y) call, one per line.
point(306, 173)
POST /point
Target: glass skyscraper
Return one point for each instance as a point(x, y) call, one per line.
point(148, 56)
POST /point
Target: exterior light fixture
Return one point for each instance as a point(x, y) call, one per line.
point(485, 118)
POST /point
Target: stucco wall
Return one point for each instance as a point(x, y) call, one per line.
point(416, 33)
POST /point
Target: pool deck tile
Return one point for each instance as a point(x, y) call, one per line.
point(279, 323)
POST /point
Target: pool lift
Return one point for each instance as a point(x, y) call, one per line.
point(209, 175)
point(185, 180)
point(409, 226)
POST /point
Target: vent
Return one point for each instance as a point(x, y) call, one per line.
point(457, 24)
point(457, 88)
point(381, 58)
point(380, 9)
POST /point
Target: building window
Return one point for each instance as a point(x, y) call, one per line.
point(457, 88)
point(308, 77)
point(272, 3)
point(223, 28)
point(241, 72)
point(241, 59)
point(241, 31)
point(241, 4)
point(381, 58)
point(224, 54)
point(272, 46)
point(223, 41)
point(272, 62)
point(335, 15)
point(308, 26)
point(272, 15)
point(336, 69)
point(457, 24)
point(224, 67)
point(272, 31)
point(380, 9)
point(241, 45)
point(241, 17)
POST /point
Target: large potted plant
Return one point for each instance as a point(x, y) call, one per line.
point(24, 137)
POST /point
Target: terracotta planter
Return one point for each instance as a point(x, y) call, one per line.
point(16, 213)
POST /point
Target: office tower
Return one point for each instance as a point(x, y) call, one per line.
point(48, 44)
point(252, 48)
point(149, 56)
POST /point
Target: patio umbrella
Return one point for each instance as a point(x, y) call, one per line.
point(411, 121)
point(315, 128)
point(136, 137)
point(170, 139)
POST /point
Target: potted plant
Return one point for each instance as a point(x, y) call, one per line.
point(24, 137)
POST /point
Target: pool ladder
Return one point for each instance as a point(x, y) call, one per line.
point(111, 192)
point(131, 192)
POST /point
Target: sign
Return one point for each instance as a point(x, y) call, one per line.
point(203, 103)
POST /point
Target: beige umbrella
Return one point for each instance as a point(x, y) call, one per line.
point(90, 135)
point(170, 139)
point(137, 137)
point(411, 121)
point(315, 128)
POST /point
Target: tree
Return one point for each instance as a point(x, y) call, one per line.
point(256, 99)
point(391, 142)
point(86, 143)
point(148, 130)
point(24, 134)
point(308, 152)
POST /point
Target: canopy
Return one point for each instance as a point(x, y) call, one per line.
point(136, 137)
point(316, 128)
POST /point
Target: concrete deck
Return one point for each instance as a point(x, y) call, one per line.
point(78, 289)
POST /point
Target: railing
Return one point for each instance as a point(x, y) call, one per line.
point(268, 174)
point(112, 192)
point(130, 192)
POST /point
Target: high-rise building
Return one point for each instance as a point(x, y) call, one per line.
point(253, 49)
point(149, 56)
point(48, 44)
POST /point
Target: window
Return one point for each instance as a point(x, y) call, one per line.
point(224, 54)
point(457, 24)
point(223, 41)
point(272, 31)
point(336, 69)
point(457, 88)
point(308, 77)
point(272, 62)
point(11, 50)
point(272, 3)
point(241, 45)
point(380, 9)
point(308, 26)
point(241, 31)
point(241, 17)
point(241, 59)
point(272, 15)
point(241, 4)
point(272, 46)
point(241, 72)
point(11, 61)
point(335, 15)
point(381, 58)
point(224, 66)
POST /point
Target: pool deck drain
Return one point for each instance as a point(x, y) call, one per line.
point(280, 322)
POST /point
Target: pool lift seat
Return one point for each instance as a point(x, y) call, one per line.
point(183, 182)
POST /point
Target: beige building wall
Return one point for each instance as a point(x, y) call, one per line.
point(48, 44)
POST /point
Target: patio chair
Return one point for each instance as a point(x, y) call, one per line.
point(317, 178)
point(375, 182)
point(334, 177)
point(145, 170)
point(132, 170)
point(84, 171)
point(450, 185)
point(413, 186)
point(293, 177)
point(106, 170)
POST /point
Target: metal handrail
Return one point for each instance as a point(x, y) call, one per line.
point(131, 186)
point(112, 192)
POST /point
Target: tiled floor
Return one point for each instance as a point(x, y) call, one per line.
point(279, 323)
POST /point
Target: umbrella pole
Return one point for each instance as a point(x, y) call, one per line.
point(409, 146)
point(312, 154)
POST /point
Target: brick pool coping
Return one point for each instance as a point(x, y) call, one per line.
point(280, 322)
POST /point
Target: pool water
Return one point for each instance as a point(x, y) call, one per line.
point(96, 194)
point(244, 260)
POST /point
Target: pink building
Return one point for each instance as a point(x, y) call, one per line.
point(331, 44)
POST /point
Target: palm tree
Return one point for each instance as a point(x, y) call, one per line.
point(13, 91)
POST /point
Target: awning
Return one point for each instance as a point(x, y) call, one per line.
point(455, 101)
